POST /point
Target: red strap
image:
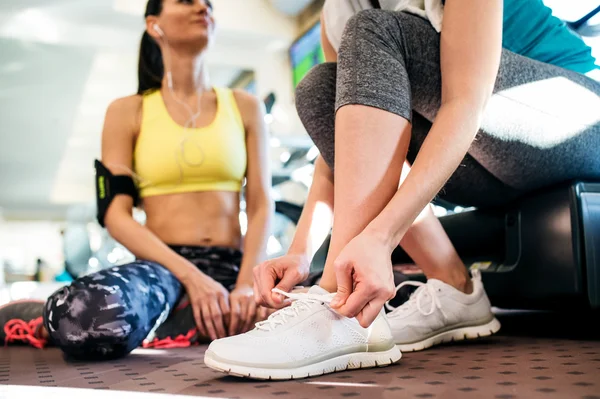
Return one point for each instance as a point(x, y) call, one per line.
point(20, 330)
point(181, 341)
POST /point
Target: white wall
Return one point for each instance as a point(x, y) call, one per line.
point(105, 34)
point(273, 74)
point(253, 18)
point(21, 243)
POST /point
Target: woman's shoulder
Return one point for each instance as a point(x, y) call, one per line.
point(126, 110)
point(126, 105)
point(247, 103)
point(242, 96)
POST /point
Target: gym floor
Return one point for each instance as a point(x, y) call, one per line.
point(536, 355)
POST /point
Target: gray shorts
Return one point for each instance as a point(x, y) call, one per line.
point(541, 126)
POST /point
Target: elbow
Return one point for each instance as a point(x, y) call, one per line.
point(482, 98)
point(111, 225)
point(473, 95)
point(472, 104)
point(268, 207)
point(263, 208)
point(113, 221)
point(475, 100)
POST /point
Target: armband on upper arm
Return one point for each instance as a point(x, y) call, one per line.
point(108, 186)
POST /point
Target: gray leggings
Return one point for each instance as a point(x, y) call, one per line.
point(541, 127)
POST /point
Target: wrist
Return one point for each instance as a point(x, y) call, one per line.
point(299, 249)
point(244, 283)
point(186, 272)
point(384, 233)
point(245, 276)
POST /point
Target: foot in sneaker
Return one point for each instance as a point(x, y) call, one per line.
point(437, 313)
point(22, 322)
point(306, 339)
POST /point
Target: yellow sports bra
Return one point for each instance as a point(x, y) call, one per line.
point(169, 159)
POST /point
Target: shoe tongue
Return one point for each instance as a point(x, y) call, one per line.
point(317, 290)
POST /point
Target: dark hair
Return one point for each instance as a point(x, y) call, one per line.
point(375, 4)
point(150, 66)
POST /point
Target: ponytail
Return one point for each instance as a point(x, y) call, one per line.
point(150, 66)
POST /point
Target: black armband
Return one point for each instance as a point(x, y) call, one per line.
point(108, 186)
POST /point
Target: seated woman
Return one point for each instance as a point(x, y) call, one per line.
point(507, 72)
point(190, 147)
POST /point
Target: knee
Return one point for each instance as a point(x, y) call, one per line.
point(319, 82)
point(366, 19)
point(90, 324)
point(374, 23)
point(370, 20)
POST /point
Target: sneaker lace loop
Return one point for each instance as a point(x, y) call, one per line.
point(416, 299)
point(300, 302)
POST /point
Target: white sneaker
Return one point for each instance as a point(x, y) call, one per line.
point(437, 312)
point(306, 339)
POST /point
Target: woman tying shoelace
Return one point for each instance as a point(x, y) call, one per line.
point(184, 148)
point(397, 78)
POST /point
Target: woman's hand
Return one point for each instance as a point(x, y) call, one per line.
point(210, 303)
point(364, 277)
point(243, 309)
point(283, 273)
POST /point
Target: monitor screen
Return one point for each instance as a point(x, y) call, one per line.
point(306, 52)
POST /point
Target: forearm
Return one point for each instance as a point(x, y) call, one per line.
point(317, 214)
point(447, 143)
point(145, 245)
point(255, 241)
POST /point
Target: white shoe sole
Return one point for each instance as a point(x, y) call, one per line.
point(352, 361)
point(459, 334)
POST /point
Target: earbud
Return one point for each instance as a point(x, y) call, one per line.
point(170, 80)
point(158, 30)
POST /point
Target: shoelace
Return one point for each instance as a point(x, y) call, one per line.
point(20, 330)
point(301, 301)
point(417, 297)
point(180, 341)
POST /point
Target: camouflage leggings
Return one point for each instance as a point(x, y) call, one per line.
point(107, 314)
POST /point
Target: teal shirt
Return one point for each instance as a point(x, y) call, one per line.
point(531, 30)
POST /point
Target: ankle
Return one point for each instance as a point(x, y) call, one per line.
point(467, 287)
point(460, 281)
point(328, 280)
point(328, 286)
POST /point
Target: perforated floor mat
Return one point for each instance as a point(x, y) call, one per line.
point(500, 367)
